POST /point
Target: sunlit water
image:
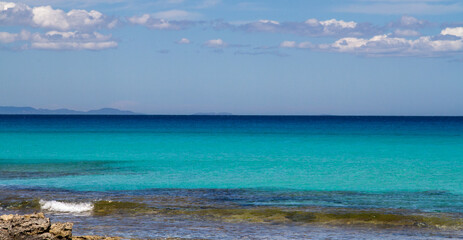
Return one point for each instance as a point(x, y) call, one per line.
point(360, 163)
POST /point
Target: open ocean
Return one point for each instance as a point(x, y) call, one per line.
point(237, 177)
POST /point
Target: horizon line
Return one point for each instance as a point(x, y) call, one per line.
point(229, 115)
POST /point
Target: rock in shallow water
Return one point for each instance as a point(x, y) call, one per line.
point(33, 227)
point(38, 227)
point(94, 238)
point(61, 230)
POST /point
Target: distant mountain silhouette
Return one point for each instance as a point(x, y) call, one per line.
point(62, 111)
point(213, 114)
point(110, 111)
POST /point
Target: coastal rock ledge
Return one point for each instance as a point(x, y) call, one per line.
point(38, 227)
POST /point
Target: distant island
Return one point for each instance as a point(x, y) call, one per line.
point(213, 114)
point(62, 111)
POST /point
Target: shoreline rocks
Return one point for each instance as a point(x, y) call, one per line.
point(38, 227)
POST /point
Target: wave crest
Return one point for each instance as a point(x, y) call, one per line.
point(66, 207)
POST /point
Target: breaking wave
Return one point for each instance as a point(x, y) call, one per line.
point(66, 207)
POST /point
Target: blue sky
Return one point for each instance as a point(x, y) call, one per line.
point(353, 57)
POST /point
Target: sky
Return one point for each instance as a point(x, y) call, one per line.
point(250, 57)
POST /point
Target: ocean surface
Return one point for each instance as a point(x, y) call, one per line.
point(238, 177)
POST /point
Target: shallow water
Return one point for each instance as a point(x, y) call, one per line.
point(181, 167)
point(223, 214)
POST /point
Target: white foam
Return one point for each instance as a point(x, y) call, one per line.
point(66, 207)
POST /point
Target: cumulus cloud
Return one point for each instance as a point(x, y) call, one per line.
point(293, 44)
point(72, 30)
point(183, 41)
point(288, 44)
point(153, 22)
point(312, 27)
point(408, 22)
point(215, 43)
point(406, 33)
point(448, 42)
point(458, 31)
point(15, 14)
point(6, 37)
point(47, 17)
point(56, 40)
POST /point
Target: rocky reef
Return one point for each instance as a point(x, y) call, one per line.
point(38, 227)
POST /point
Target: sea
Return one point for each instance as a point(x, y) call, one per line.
point(237, 177)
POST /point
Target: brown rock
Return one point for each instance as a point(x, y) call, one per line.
point(23, 227)
point(38, 227)
point(33, 227)
point(62, 230)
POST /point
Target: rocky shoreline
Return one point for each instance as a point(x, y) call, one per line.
point(38, 227)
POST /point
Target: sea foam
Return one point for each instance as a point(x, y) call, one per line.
point(66, 207)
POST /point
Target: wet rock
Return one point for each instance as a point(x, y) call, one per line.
point(95, 238)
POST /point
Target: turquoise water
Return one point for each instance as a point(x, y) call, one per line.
point(325, 154)
point(385, 155)
point(407, 166)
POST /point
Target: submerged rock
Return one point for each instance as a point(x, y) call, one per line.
point(95, 238)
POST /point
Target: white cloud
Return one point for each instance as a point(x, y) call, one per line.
point(294, 44)
point(408, 22)
point(215, 43)
point(288, 44)
point(15, 14)
point(265, 21)
point(6, 5)
point(153, 22)
point(55, 40)
point(6, 37)
point(312, 27)
point(338, 24)
point(183, 41)
point(448, 42)
point(47, 17)
point(406, 33)
point(143, 19)
point(383, 45)
point(262, 26)
point(411, 21)
point(458, 31)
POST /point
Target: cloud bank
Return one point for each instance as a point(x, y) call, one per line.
point(448, 42)
point(48, 28)
point(56, 19)
point(311, 27)
point(151, 22)
point(72, 30)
